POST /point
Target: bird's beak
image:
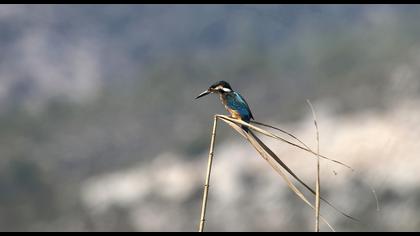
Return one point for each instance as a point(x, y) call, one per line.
point(203, 94)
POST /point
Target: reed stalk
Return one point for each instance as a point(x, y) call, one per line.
point(318, 179)
point(207, 183)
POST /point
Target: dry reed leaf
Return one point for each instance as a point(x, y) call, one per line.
point(234, 124)
point(269, 134)
point(268, 155)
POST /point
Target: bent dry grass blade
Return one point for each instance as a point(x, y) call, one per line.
point(281, 163)
point(272, 159)
point(269, 134)
point(317, 154)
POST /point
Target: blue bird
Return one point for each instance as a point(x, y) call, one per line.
point(234, 103)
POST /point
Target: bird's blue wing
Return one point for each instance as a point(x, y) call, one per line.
point(236, 102)
point(247, 106)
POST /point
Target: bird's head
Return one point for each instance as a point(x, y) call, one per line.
point(218, 87)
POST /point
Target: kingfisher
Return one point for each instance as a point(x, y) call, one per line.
point(234, 103)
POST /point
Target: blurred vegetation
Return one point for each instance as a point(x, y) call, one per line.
point(277, 56)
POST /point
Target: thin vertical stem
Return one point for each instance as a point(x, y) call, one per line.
point(207, 183)
point(317, 188)
point(318, 181)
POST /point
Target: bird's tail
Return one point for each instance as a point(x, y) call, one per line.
point(244, 128)
point(275, 162)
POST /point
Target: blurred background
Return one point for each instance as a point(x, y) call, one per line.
point(99, 129)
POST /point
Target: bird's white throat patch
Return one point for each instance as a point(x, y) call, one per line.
point(226, 90)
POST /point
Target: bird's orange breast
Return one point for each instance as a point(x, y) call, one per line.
point(234, 113)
